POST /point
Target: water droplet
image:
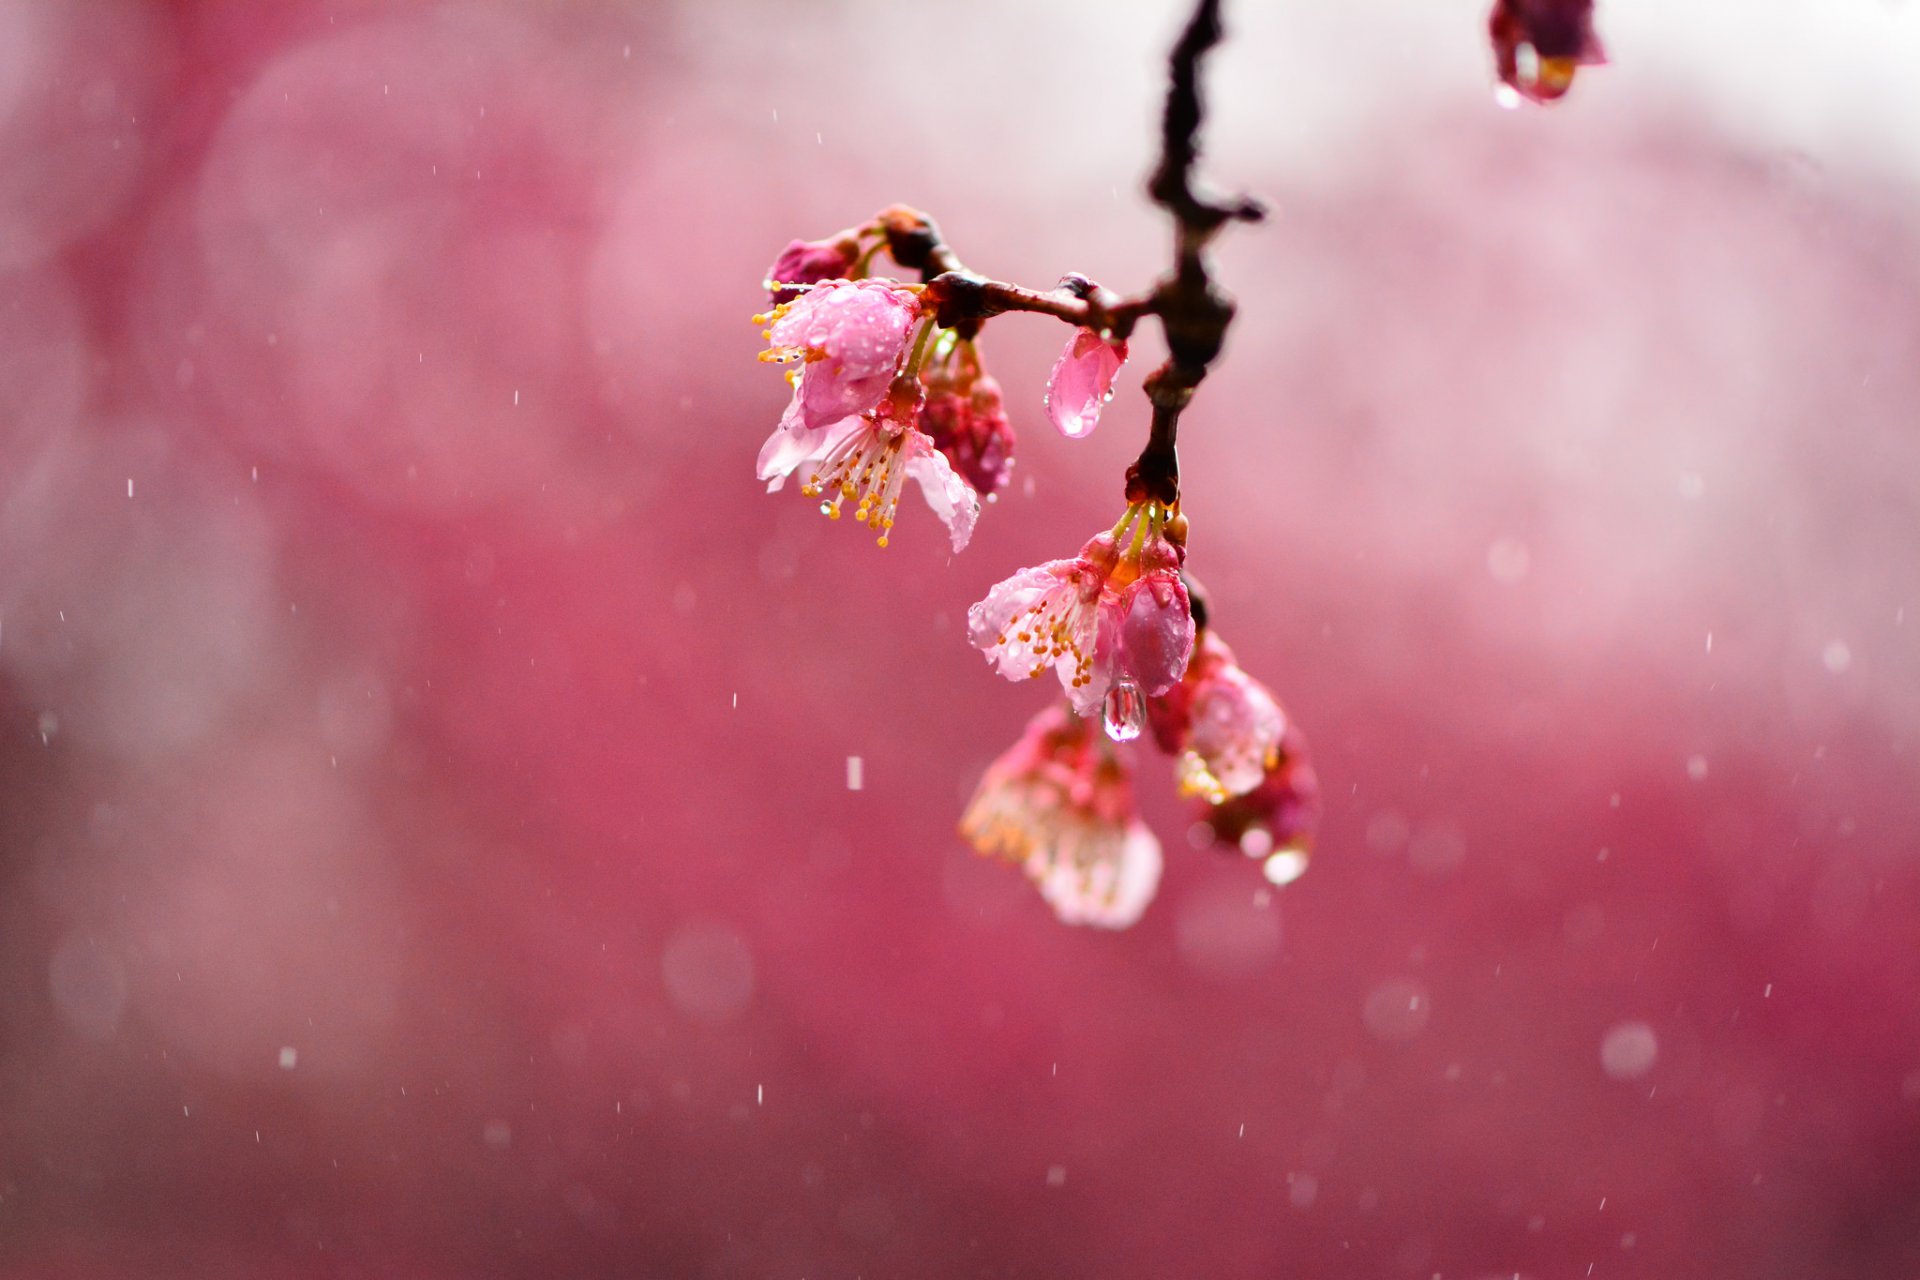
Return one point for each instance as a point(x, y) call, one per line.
point(1284, 867)
point(1125, 711)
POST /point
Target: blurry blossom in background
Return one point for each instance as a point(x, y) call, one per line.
point(428, 842)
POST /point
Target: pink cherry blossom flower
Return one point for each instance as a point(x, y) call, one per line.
point(1082, 382)
point(1539, 44)
point(1114, 622)
point(967, 418)
point(867, 459)
point(852, 337)
point(1060, 803)
point(1275, 821)
point(805, 262)
point(1222, 726)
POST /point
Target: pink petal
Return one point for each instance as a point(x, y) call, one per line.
point(793, 444)
point(950, 496)
point(1155, 634)
point(988, 620)
point(1087, 699)
point(1082, 382)
point(1236, 728)
point(855, 334)
point(1111, 893)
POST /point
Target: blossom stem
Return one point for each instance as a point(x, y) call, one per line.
point(912, 367)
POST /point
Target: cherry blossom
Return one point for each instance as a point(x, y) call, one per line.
point(1114, 621)
point(1082, 382)
point(1221, 725)
point(867, 459)
point(1060, 803)
point(852, 337)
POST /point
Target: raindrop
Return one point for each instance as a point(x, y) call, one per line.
point(1125, 710)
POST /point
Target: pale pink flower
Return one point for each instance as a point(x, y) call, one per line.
point(867, 459)
point(852, 336)
point(1082, 382)
point(1115, 620)
point(1221, 725)
point(805, 262)
point(1060, 803)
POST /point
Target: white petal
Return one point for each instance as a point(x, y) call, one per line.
point(950, 496)
point(793, 445)
point(1112, 893)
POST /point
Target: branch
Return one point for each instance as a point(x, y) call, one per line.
point(1194, 312)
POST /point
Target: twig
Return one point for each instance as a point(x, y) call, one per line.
point(1194, 312)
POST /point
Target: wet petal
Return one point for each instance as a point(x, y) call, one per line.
point(793, 444)
point(1110, 893)
point(950, 496)
point(1082, 382)
point(1155, 633)
point(989, 620)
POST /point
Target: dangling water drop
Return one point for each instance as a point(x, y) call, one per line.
point(1125, 710)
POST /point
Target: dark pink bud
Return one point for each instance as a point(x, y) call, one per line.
point(969, 424)
point(809, 262)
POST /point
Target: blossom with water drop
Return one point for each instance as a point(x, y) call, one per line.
point(1276, 820)
point(866, 459)
point(805, 262)
point(1114, 620)
point(852, 337)
point(1221, 725)
point(1082, 382)
point(1060, 803)
point(1539, 44)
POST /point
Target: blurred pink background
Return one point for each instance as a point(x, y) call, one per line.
point(425, 842)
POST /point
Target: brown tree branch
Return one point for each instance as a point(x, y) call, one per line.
point(1194, 312)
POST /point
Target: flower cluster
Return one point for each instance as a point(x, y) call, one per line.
point(885, 393)
point(1059, 802)
point(889, 387)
